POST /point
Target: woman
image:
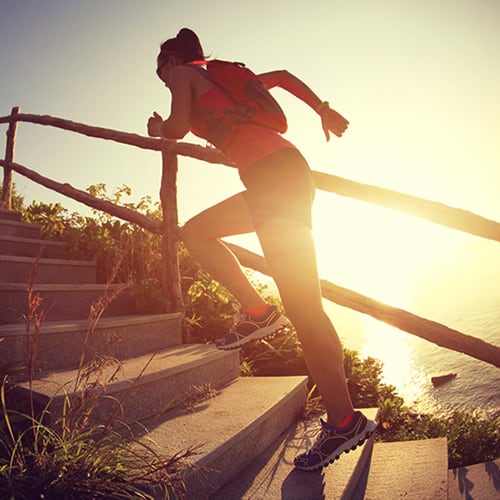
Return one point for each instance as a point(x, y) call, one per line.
point(277, 206)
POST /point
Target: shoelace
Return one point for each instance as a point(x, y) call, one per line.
point(316, 435)
point(242, 317)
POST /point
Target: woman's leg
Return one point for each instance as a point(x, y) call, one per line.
point(201, 236)
point(290, 252)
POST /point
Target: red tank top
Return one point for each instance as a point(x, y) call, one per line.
point(249, 143)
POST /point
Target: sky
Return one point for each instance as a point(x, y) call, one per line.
point(419, 82)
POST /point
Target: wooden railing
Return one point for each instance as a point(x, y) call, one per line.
point(432, 211)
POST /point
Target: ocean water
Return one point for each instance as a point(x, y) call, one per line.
point(443, 275)
point(410, 362)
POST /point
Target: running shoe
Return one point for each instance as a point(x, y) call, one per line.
point(250, 327)
point(333, 441)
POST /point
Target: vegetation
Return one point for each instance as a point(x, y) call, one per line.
point(81, 452)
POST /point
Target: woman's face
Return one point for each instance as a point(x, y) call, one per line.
point(165, 69)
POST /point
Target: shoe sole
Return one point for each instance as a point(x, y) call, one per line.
point(352, 444)
point(259, 334)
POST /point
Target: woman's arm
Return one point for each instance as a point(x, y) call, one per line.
point(178, 124)
point(331, 121)
point(290, 83)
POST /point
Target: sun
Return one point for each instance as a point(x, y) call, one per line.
point(376, 251)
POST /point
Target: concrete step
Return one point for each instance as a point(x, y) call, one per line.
point(61, 302)
point(60, 343)
point(10, 214)
point(231, 429)
point(14, 269)
point(142, 386)
point(408, 469)
point(31, 247)
point(20, 229)
point(272, 474)
point(479, 481)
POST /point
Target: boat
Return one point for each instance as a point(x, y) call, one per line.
point(441, 379)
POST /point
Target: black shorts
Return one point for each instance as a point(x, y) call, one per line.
point(280, 185)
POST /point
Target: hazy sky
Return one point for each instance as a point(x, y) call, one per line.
point(419, 81)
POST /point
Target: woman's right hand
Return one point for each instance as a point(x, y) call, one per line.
point(331, 121)
point(154, 125)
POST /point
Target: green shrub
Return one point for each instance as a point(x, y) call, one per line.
point(209, 306)
point(280, 354)
point(17, 201)
point(364, 380)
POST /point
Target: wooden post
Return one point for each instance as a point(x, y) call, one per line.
point(168, 195)
point(6, 201)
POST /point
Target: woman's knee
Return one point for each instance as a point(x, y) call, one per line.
point(305, 318)
point(192, 232)
point(317, 332)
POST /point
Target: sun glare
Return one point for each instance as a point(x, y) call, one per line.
point(376, 251)
point(397, 352)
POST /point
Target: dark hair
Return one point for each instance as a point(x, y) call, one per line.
point(185, 45)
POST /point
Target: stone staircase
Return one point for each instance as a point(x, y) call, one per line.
point(191, 395)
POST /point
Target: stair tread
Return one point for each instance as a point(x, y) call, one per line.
point(38, 241)
point(59, 287)
point(164, 363)
point(8, 214)
point(409, 469)
point(273, 475)
point(83, 324)
point(479, 481)
point(229, 430)
point(60, 342)
point(234, 408)
point(18, 223)
point(48, 261)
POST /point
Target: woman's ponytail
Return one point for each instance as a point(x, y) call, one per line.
point(189, 45)
point(185, 45)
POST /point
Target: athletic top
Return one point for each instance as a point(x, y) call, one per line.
point(250, 143)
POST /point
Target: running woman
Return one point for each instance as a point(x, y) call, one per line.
point(277, 206)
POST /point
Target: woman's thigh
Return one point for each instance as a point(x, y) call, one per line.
point(227, 218)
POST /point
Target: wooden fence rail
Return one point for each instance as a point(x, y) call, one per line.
point(430, 210)
point(210, 155)
point(433, 211)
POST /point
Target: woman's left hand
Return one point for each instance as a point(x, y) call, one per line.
point(154, 125)
point(332, 121)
